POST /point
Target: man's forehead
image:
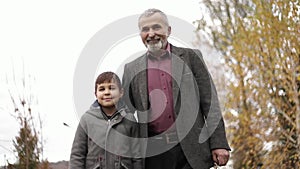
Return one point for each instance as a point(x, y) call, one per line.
point(152, 20)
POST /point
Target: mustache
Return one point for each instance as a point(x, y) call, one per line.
point(158, 36)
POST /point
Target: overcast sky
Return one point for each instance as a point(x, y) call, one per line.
point(50, 36)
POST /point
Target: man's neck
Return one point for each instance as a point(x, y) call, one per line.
point(158, 53)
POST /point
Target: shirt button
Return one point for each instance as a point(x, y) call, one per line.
point(162, 74)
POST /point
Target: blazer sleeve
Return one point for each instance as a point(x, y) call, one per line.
point(127, 97)
point(209, 103)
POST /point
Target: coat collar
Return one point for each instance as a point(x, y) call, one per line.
point(96, 110)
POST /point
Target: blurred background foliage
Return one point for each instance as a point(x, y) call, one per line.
point(259, 43)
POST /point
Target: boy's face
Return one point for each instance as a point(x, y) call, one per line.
point(108, 94)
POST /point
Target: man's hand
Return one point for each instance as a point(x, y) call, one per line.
point(220, 156)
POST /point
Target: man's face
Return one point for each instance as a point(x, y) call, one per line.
point(154, 32)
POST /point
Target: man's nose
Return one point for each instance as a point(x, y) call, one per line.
point(151, 33)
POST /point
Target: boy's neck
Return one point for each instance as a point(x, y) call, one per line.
point(109, 111)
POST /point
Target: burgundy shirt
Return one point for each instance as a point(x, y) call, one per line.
point(161, 116)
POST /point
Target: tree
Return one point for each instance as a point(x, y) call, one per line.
point(28, 144)
point(259, 41)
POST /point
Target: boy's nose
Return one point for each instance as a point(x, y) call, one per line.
point(107, 91)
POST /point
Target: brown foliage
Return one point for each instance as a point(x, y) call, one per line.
point(28, 145)
point(260, 43)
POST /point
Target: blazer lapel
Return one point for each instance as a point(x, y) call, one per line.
point(142, 81)
point(177, 70)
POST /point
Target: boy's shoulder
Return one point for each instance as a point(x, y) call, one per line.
point(92, 113)
point(128, 115)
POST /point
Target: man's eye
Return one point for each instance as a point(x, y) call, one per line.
point(156, 27)
point(101, 89)
point(145, 29)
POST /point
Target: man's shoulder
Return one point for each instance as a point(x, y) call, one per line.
point(185, 50)
point(136, 61)
point(139, 58)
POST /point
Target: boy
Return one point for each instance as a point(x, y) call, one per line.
point(106, 137)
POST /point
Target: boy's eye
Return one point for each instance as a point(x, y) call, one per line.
point(112, 87)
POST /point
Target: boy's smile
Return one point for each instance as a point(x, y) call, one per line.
point(108, 94)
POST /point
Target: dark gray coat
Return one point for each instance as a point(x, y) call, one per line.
point(199, 121)
point(100, 143)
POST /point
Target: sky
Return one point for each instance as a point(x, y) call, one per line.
point(49, 37)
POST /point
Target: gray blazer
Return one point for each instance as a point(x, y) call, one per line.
point(199, 122)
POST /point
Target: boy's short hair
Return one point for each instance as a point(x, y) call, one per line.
point(108, 77)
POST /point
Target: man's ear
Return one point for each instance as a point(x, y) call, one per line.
point(169, 31)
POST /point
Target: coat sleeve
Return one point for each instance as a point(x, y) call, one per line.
point(79, 147)
point(209, 103)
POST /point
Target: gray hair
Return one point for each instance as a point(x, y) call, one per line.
point(152, 11)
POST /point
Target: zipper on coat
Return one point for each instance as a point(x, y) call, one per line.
point(106, 136)
point(110, 123)
point(117, 162)
point(100, 163)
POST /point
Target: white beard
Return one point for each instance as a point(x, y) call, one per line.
point(155, 47)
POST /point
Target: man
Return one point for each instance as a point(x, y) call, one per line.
point(175, 100)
